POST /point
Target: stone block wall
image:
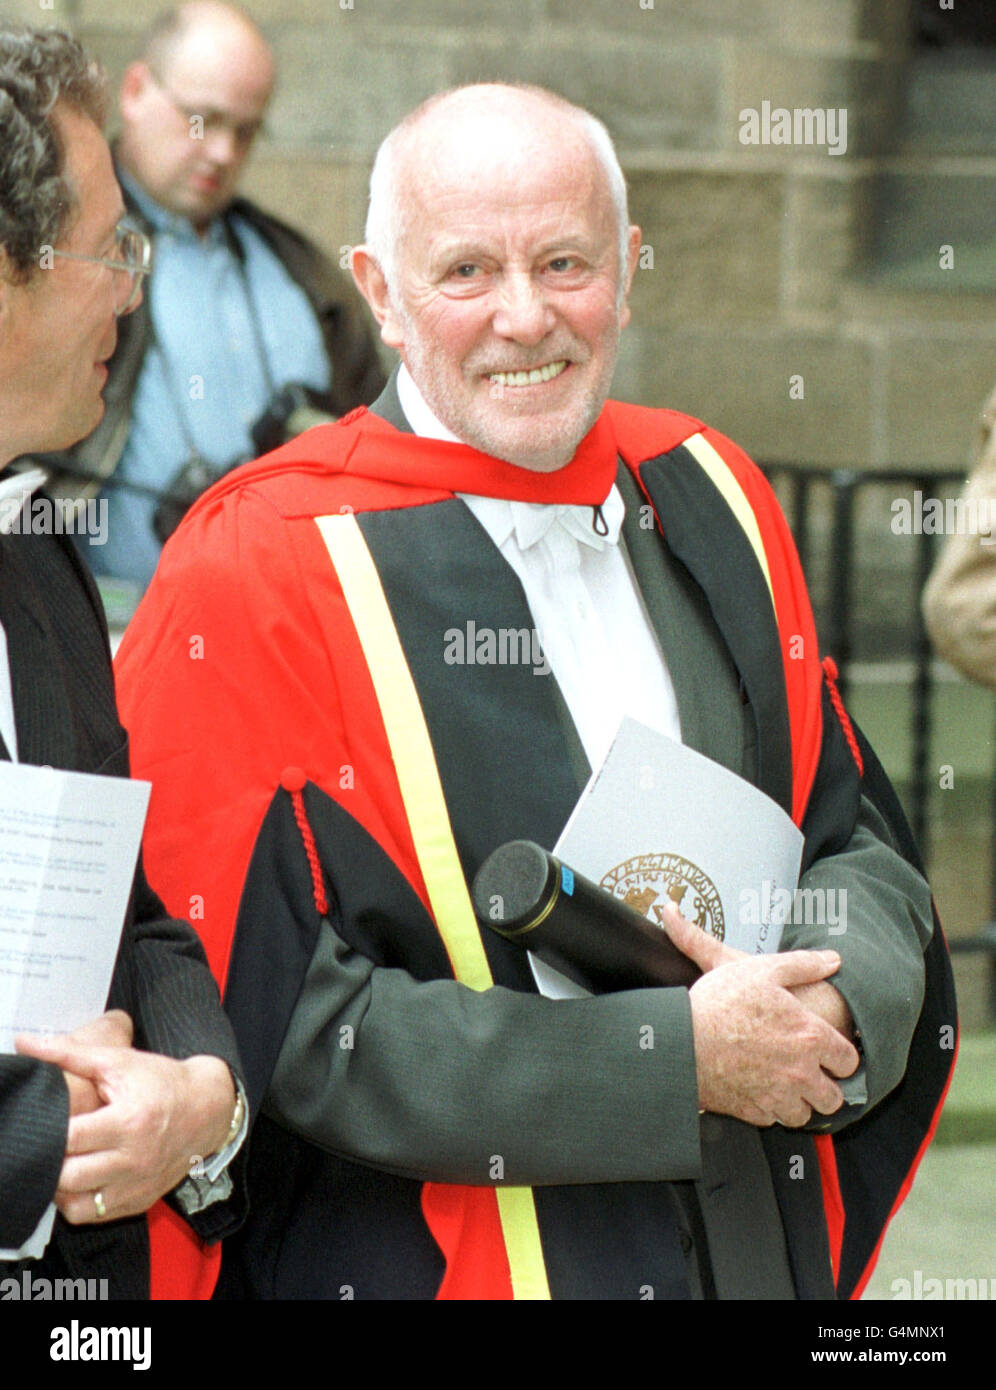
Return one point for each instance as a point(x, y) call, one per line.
point(752, 272)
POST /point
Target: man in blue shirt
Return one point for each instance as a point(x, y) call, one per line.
point(239, 308)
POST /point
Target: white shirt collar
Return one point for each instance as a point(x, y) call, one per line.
point(529, 520)
point(15, 491)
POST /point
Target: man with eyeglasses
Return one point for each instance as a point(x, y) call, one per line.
point(130, 255)
point(247, 334)
point(97, 1125)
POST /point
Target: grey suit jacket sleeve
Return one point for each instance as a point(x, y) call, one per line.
point(885, 923)
point(435, 1081)
point(34, 1115)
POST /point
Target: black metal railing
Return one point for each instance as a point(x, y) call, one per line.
point(839, 617)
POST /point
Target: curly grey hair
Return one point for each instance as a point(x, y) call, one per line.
point(38, 69)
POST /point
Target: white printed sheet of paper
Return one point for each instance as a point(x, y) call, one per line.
point(659, 821)
point(69, 842)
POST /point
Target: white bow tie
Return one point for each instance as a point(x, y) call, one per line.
point(532, 521)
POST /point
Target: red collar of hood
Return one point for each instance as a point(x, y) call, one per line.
point(379, 450)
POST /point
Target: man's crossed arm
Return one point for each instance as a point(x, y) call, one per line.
point(771, 1033)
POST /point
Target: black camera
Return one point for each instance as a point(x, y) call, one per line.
point(294, 409)
point(184, 488)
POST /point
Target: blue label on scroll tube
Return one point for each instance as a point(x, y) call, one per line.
point(567, 880)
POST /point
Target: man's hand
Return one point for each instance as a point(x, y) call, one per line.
point(761, 1054)
point(829, 1004)
point(155, 1116)
point(113, 1029)
point(821, 998)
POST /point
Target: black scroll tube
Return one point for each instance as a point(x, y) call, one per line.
point(529, 897)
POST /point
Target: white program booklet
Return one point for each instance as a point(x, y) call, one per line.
point(659, 822)
point(69, 842)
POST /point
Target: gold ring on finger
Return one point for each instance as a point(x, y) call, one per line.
point(98, 1202)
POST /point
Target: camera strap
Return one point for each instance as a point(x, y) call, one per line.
point(238, 251)
point(173, 389)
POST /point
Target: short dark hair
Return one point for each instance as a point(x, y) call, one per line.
point(38, 69)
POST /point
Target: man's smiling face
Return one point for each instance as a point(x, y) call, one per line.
point(508, 302)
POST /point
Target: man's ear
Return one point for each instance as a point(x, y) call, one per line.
point(134, 84)
point(372, 284)
point(633, 243)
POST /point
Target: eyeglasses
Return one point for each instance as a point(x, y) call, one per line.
point(211, 122)
point(132, 257)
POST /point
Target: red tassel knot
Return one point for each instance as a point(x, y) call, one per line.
point(830, 671)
